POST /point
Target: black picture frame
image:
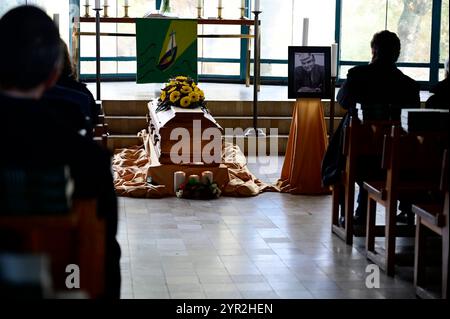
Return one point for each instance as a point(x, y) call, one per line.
point(309, 72)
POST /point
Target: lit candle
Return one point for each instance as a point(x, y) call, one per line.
point(334, 49)
point(207, 177)
point(97, 4)
point(220, 4)
point(305, 31)
point(178, 179)
point(256, 5)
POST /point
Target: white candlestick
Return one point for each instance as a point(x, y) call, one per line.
point(305, 31)
point(243, 4)
point(334, 50)
point(178, 179)
point(105, 3)
point(219, 5)
point(199, 3)
point(126, 3)
point(86, 3)
point(97, 4)
point(207, 177)
point(257, 5)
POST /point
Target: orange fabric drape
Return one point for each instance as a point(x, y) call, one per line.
point(301, 173)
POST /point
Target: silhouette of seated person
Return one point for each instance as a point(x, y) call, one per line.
point(30, 64)
point(309, 77)
point(382, 90)
point(440, 98)
point(70, 104)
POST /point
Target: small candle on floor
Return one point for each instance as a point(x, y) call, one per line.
point(178, 179)
point(207, 177)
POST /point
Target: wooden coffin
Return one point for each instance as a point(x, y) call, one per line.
point(191, 131)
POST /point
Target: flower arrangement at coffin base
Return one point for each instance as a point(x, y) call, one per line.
point(194, 189)
point(183, 92)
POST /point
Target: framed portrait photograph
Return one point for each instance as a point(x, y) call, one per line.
point(309, 72)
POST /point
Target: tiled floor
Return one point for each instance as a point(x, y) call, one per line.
point(269, 246)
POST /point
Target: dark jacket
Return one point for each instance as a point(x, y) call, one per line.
point(440, 98)
point(32, 137)
point(314, 79)
point(378, 84)
point(71, 83)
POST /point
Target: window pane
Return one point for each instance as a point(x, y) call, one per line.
point(418, 74)
point(360, 20)
point(126, 67)
point(444, 32)
point(218, 68)
point(321, 14)
point(267, 69)
point(230, 8)
point(106, 67)
point(411, 20)
point(219, 48)
point(5, 6)
point(276, 28)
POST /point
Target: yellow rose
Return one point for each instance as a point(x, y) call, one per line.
point(202, 94)
point(172, 89)
point(185, 102)
point(175, 96)
point(181, 78)
point(186, 89)
point(172, 83)
point(163, 95)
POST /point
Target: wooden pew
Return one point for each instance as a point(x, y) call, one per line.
point(434, 217)
point(75, 238)
point(419, 156)
point(361, 139)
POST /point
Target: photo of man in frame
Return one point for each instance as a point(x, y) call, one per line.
point(309, 73)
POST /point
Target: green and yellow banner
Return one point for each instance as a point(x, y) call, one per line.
point(165, 48)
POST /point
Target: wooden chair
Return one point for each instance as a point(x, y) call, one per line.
point(414, 155)
point(434, 217)
point(361, 139)
point(38, 216)
point(74, 238)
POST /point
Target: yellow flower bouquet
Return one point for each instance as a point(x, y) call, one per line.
point(183, 92)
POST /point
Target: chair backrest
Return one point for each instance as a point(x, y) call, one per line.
point(77, 238)
point(419, 159)
point(37, 215)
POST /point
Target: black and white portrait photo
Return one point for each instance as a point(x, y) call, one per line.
point(309, 72)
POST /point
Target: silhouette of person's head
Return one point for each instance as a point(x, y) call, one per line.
point(308, 61)
point(31, 55)
point(385, 47)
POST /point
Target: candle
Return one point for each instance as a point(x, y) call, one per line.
point(56, 19)
point(256, 5)
point(220, 4)
point(199, 4)
point(334, 49)
point(207, 177)
point(86, 3)
point(105, 3)
point(97, 4)
point(126, 3)
point(178, 179)
point(305, 31)
point(194, 178)
point(243, 4)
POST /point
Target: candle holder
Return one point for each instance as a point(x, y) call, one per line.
point(199, 12)
point(86, 14)
point(105, 11)
point(243, 12)
point(219, 13)
point(126, 11)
